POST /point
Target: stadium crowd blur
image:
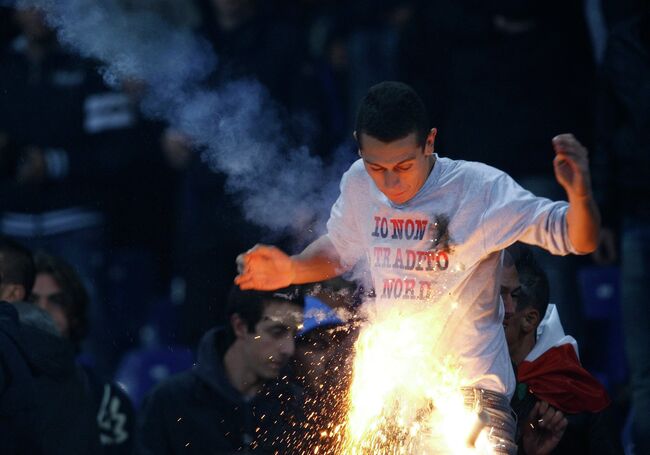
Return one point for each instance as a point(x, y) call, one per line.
point(152, 233)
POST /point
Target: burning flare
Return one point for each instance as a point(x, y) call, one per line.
point(406, 396)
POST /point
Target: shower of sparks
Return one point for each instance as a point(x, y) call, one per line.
point(391, 388)
point(405, 396)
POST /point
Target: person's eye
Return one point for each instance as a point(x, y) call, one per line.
point(376, 169)
point(405, 167)
point(278, 332)
point(56, 299)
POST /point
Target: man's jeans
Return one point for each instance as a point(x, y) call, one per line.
point(502, 424)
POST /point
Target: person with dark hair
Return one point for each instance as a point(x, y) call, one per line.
point(434, 228)
point(549, 374)
point(235, 398)
point(16, 270)
point(322, 367)
point(46, 407)
point(68, 163)
point(59, 291)
point(523, 312)
point(621, 170)
point(43, 392)
point(250, 47)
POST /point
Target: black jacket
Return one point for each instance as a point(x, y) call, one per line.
point(200, 412)
point(45, 405)
point(586, 433)
point(114, 413)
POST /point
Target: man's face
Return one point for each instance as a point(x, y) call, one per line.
point(510, 289)
point(48, 296)
point(316, 353)
point(271, 345)
point(398, 168)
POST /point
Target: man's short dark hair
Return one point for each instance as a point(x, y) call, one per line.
point(535, 290)
point(75, 299)
point(249, 305)
point(391, 111)
point(16, 264)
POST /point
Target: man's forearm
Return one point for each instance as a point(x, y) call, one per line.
point(318, 262)
point(583, 219)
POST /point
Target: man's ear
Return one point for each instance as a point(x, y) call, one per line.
point(356, 139)
point(431, 139)
point(239, 326)
point(12, 292)
point(531, 320)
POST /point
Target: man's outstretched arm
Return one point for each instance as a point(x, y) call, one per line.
point(267, 268)
point(571, 167)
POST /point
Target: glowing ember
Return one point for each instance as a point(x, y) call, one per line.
point(405, 396)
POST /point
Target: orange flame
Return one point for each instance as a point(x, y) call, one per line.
point(405, 396)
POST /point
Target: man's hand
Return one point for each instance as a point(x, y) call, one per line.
point(543, 429)
point(571, 165)
point(264, 268)
point(572, 172)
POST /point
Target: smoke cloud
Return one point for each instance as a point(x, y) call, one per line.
point(237, 127)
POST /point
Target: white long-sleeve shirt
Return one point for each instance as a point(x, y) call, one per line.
point(443, 248)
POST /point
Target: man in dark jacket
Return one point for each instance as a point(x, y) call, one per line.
point(70, 149)
point(59, 291)
point(622, 161)
point(234, 399)
point(45, 405)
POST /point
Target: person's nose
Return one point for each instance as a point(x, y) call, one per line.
point(42, 303)
point(288, 347)
point(391, 180)
point(508, 304)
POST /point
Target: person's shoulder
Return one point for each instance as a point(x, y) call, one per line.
point(8, 313)
point(356, 168)
point(177, 387)
point(355, 175)
point(473, 171)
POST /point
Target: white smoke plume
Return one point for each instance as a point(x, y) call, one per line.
point(237, 127)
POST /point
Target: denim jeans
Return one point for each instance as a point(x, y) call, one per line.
point(502, 424)
point(635, 279)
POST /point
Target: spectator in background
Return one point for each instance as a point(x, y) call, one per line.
point(58, 291)
point(16, 271)
point(45, 405)
point(489, 73)
point(621, 171)
point(60, 168)
point(322, 367)
point(548, 370)
point(235, 398)
point(373, 45)
point(211, 228)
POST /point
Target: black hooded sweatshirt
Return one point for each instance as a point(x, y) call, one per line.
point(200, 412)
point(45, 404)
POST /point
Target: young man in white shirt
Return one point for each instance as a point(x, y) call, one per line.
point(433, 229)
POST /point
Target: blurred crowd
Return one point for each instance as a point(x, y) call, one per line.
point(132, 238)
